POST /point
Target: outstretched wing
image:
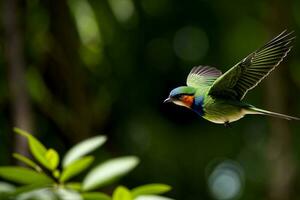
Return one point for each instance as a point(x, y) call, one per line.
point(202, 76)
point(246, 74)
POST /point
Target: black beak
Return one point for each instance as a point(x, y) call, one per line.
point(167, 100)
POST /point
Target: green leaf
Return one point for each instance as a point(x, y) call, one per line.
point(37, 149)
point(23, 175)
point(76, 167)
point(122, 193)
point(5, 195)
point(52, 158)
point(152, 197)
point(108, 171)
point(28, 188)
point(56, 173)
point(6, 187)
point(65, 194)
point(150, 189)
point(82, 149)
point(37, 194)
point(95, 195)
point(74, 186)
point(27, 161)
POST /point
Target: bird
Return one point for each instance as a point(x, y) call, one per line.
point(218, 97)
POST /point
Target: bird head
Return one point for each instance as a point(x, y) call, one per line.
point(182, 96)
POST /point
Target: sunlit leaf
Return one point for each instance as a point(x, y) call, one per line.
point(23, 175)
point(36, 148)
point(150, 189)
point(65, 194)
point(27, 161)
point(122, 193)
point(89, 32)
point(52, 158)
point(56, 173)
point(108, 171)
point(95, 195)
point(76, 167)
point(122, 9)
point(82, 149)
point(38, 194)
point(31, 187)
point(74, 186)
point(6, 187)
point(152, 197)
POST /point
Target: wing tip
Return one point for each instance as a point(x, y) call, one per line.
point(205, 70)
point(284, 38)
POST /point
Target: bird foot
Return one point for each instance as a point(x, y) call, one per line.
point(227, 124)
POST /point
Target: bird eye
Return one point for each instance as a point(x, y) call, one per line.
point(178, 96)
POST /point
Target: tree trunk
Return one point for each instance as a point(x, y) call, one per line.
point(15, 63)
point(281, 163)
point(64, 69)
point(280, 156)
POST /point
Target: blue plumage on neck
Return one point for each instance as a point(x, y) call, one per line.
point(198, 105)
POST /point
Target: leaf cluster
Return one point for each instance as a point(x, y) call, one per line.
point(43, 175)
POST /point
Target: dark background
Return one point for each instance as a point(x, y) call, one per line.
point(78, 68)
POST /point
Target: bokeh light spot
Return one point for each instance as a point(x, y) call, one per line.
point(226, 181)
point(122, 9)
point(86, 21)
point(89, 32)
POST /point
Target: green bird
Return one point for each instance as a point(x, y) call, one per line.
point(218, 97)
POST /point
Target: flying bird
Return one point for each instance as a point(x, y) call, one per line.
point(218, 97)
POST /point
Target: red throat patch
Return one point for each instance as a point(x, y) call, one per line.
point(188, 100)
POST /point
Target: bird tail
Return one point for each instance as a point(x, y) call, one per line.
point(254, 110)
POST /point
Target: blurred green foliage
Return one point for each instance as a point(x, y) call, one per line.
point(46, 175)
point(107, 65)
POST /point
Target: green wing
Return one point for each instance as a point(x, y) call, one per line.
point(246, 74)
point(202, 77)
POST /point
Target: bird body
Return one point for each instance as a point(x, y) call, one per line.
point(218, 97)
point(223, 111)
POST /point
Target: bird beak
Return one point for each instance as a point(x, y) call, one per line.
point(167, 100)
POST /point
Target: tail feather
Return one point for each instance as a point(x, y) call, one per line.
point(254, 110)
